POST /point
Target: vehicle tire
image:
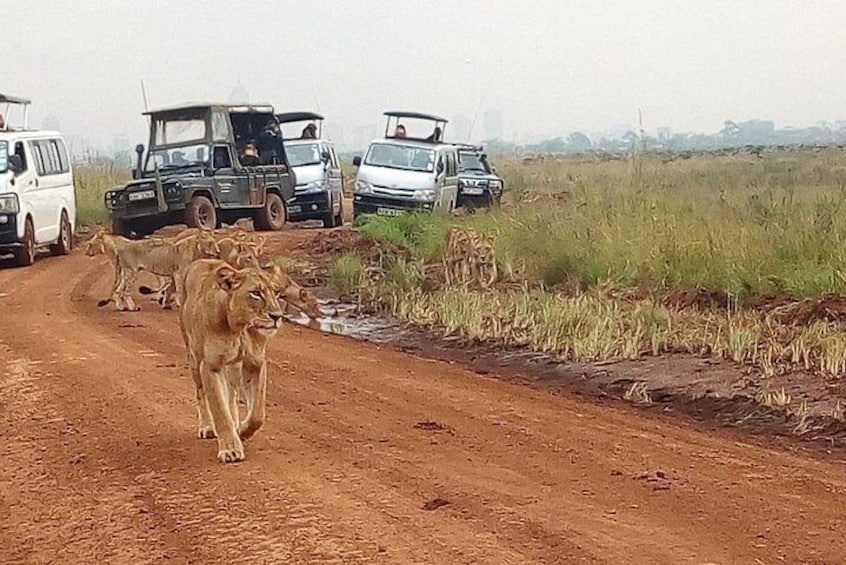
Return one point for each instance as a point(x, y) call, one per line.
point(271, 217)
point(25, 256)
point(200, 213)
point(339, 219)
point(331, 220)
point(65, 242)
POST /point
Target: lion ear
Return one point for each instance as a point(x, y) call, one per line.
point(228, 278)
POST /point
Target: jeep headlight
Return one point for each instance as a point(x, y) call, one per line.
point(425, 195)
point(363, 187)
point(495, 185)
point(9, 204)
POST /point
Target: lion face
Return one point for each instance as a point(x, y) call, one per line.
point(95, 245)
point(253, 301)
point(239, 253)
point(291, 293)
point(205, 246)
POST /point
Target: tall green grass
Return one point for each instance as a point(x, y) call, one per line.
point(91, 183)
point(743, 225)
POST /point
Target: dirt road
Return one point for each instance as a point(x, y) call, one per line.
point(369, 455)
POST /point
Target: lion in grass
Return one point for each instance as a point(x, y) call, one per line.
point(469, 258)
point(227, 317)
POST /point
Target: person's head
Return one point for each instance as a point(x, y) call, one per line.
point(250, 150)
point(2, 122)
point(400, 131)
point(310, 131)
point(436, 135)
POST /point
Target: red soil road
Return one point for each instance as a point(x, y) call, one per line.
point(101, 465)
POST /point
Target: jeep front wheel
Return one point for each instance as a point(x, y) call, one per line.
point(200, 213)
point(271, 217)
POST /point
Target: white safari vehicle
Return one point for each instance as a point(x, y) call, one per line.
point(402, 173)
point(319, 193)
point(37, 200)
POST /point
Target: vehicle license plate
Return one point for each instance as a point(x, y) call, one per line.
point(388, 212)
point(295, 209)
point(472, 190)
point(142, 195)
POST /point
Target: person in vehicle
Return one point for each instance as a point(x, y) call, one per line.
point(400, 131)
point(436, 135)
point(179, 158)
point(268, 142)
point(309, 132)
point(249, 155)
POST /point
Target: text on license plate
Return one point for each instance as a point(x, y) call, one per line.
point(295, 209)
point(142, 194)
point(472, 190)
point(388, 212)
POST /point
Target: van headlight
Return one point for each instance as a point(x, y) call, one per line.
point(425, 195)
point(9, 204)
point(315, 186)
point(363, 187)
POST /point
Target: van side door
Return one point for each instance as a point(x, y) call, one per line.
point(47, 187)
point(335, 179)
point(450, 187)
point(26, 185)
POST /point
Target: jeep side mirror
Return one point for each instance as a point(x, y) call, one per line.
point(325, 156)
point(15, 163)
point(356, 161)
point(440, 167)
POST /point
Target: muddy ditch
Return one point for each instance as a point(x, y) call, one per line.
point(793, 411)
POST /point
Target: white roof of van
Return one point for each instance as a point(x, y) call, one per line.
point(7, 134)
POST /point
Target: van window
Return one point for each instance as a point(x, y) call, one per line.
point(61, 155)
point(50, 156)
point(452, 164)
point(4, 156)
point(20, 152)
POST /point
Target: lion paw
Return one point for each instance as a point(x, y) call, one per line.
point(232, 455)
point(205, 432)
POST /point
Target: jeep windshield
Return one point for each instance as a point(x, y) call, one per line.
point(301, 155)
point(4, 156)
point(471, 162)
point(402, 157)
point(168, 158)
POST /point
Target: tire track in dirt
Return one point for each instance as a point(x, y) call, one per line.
point(341, 474)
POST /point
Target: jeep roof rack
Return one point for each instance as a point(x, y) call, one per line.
point(473, 146)
point(291, 117)
point(415, 115)
point(8, 100)
point(440, 123)
point(287, 117)
point(245, 107)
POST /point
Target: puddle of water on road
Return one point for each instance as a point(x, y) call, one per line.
point(345, 319)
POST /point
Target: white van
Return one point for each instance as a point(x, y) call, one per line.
point(402, 173)
point(37, 199)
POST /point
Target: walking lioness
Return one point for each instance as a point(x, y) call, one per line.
point(227, 317)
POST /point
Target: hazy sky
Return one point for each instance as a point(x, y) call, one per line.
point(551, 66)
